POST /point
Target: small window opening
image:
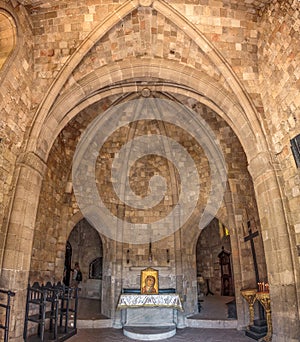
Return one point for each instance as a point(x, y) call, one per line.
point(95, 269)
point(295, 146)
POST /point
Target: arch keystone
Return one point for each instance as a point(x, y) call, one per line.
point(146, 3)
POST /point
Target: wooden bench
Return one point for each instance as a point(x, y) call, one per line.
point(6, 306)
point(52, 303)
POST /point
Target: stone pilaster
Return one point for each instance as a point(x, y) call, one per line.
point(18, 245)
point(278, 249)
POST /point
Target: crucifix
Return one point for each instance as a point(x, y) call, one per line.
point(250, 237)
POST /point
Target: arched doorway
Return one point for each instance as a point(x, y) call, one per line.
point(87, 249)
point(216, 293)
point(86, 246)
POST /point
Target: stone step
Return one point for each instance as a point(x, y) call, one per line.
point(94, 323)
point(211, 323)
point(149, 333)
point(259, 329)
point(255, 335)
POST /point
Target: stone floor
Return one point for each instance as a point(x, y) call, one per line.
point(213, 308)
point(89, 309)
point(186, 335)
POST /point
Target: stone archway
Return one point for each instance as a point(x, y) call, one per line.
point(212, 53)
point(36, 174)
point(215, 279)
point(26, 179)
point(32, 164)
point(86, 247)
point(210, 242)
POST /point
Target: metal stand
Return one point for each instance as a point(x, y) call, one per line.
point(208, 289)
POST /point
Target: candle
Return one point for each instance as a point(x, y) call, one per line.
point(267, 287)
point(263, 287)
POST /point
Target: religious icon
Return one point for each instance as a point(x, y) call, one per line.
point(149, 281)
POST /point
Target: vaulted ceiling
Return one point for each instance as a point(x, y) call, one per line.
point(247, 5)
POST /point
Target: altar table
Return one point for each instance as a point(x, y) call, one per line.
point(149, 311)
point(168, 300)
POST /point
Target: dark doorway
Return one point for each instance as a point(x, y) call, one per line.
point(213, 239)
point(214, 273)
point(87, 250)
point(67, 268)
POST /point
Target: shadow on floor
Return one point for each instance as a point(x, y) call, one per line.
point(89, 309)
point(214, 307)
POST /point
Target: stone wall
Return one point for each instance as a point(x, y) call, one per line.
point(57, 204)
point(15, 113)
point(279, 59)
point(174, 256)
point(58, 32)
point(50, 235)
point(233, 30)
point(278, 62)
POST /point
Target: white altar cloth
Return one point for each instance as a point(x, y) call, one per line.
point(168, 300)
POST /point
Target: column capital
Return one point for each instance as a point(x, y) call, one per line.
point(33, 161)
point(260, 164)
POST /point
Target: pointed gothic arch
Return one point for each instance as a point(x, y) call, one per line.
point(212, 238)
point(87, 247)
point(261, 170)
point(247, 108)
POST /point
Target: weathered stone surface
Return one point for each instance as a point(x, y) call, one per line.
point(236, 64)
